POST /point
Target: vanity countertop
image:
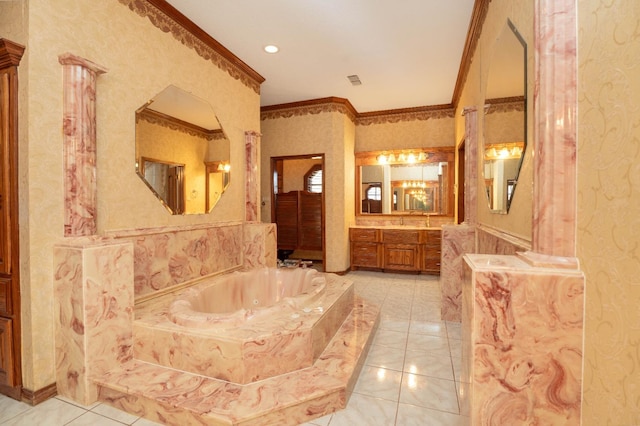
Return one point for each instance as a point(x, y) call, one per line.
point(398, 227)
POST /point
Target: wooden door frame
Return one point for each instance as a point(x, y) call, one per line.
point(10, 56)
point(324, 188)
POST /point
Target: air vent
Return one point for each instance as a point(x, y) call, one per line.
point(354, 79)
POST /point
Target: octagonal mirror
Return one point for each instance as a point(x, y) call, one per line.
point(182, 152)
point(505, 119)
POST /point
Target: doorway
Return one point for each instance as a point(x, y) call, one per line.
point(297, 208)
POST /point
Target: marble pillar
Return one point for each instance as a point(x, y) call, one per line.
point(252, 179)
point(79, 130)
point(555, 130)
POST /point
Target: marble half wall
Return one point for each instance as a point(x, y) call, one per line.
point(522, 342)
point(93, 287)
point(458, 240)
point(168, 257)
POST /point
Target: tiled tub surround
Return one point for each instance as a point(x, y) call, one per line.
point(94, 286)
point(522, 330)
point(258, 344)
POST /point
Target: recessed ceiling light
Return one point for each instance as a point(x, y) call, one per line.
point(271, 48)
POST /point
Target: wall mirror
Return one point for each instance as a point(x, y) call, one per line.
point(182, 152)
point(505, 119)
point(418, 181)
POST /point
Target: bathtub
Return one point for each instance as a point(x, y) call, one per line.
point(244, 326)
point(244, 296)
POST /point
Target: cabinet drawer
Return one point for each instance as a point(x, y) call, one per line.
point(5, 299)
point(362, 234)
point(400, 237)
point(364, 254)
point(432, 238)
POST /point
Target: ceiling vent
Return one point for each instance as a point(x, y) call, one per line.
point(354, 79)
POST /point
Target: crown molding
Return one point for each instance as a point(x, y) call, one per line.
point(164, 120)
point(480, 9)
point(310, 107)
point(335, 104)
point(169, 19)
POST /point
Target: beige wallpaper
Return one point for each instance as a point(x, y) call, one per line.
point(519, 220)
point(608, 201)
point(142, 61)
point(405, 134)
point(328, 133)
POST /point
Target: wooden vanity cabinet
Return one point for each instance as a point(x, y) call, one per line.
point(431, 251)
point(409, 250)
point(365, 248)
point(401, 250)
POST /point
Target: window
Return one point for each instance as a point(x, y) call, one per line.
point(374, 192)
point(313, 179)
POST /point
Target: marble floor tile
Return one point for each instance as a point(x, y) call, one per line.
point(434, 345)
point(115, 414)
point(385, 357)
point(379, 383)
point(429, 392)
point(412, 415)
point(10, 408)
point(92, 419)
point(366, 411)
point(432, 328)
point(428, 365)
point(390, 338)
point(52, 412)
point(394, 324)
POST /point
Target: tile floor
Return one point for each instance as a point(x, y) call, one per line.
point(410, 376)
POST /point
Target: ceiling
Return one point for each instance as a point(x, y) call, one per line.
point(406, 52)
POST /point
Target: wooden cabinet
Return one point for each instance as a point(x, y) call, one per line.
point(431, 250)
point(6, 352)
point(410, 250)
point(365, 248)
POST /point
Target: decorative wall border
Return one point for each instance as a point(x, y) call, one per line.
point(311, 107)
point(335, 104)
point(168, 19)
point(501, 105)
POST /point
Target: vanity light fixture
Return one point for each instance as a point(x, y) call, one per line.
point(271, 48)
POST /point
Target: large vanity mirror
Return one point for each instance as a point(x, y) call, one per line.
point(505, 120)
point(418, 181)
point(182, 152)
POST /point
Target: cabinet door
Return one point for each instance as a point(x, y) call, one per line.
point(365, 254)
point(431, 252)
point(6, 353)
point(402, 257)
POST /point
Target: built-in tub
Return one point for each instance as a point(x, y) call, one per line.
point(243, 296)
point(246, 326)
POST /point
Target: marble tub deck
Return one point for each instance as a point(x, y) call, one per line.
point(176, 397)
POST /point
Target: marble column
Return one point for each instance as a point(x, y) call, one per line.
point(252, 179)
point(79, 130)
point(471, 165)
point(555, 106)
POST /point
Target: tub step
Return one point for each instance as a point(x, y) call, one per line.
point(175, 397)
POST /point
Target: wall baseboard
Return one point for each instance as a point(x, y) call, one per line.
point(40, 395)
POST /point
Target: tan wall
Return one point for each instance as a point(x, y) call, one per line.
point(519, 220)
point(142, 60)
point(608, 200)
point(328, 133)
point(405, 134)
point(294, 171)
